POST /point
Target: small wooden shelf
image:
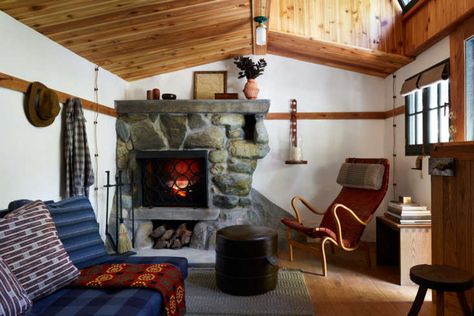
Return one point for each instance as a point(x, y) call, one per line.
point(296, 162)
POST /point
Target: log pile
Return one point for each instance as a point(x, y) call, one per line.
point(166, 237)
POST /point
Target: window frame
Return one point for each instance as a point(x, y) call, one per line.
point(426, 147)
point(407, 7)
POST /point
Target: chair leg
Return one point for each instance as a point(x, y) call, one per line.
point(290, 246)
point(439, 303)
point(463, 302)
point(323, 257)
point(420, 297)
point(369, 262)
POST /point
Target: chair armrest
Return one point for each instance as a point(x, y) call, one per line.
point(297, 198)
point(354, 216)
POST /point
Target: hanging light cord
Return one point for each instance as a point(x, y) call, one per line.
point(96, 145)
point(394, 142)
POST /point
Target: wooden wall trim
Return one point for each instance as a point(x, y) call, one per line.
point(457, 70)
point(20, 85)
point(398, 111)
point(337, 115)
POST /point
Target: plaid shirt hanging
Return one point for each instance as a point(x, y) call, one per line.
point(79, 171)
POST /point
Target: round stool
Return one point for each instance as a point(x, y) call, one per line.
point(246, 262)
point(441, 279)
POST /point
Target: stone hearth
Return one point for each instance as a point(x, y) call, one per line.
point(233, 134)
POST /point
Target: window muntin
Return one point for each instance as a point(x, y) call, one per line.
point(427, 117)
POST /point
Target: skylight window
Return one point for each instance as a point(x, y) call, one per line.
point(407, 4)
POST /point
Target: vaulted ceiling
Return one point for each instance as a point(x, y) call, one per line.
point(141, 38)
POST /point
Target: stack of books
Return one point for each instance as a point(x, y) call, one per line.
point(408, 213)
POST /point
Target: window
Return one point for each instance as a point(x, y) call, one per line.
point(407, 4)
point(426, 110)
point(469, 57)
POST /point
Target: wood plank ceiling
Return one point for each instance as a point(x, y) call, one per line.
point(141, 38)
point(364, 35)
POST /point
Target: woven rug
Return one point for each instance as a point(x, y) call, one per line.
point(290, 297)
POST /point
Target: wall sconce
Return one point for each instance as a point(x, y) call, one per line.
point(261, 30)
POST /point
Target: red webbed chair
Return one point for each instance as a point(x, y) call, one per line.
point(365, 183)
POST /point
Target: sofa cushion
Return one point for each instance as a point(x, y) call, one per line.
point(30, 246)
point(13, 298)
point(367, 176)
point(79, 302)
point(78, 230)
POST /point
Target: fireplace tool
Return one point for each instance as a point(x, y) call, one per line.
point(124, 245)
point(120, 230)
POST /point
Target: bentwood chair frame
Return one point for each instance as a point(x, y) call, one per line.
point(340, 212)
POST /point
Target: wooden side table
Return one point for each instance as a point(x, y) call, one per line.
point(403, 245)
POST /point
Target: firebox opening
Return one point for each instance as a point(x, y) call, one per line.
point(174, 178)
point(172, 234)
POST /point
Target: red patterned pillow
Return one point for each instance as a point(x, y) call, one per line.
point(30, 246)
point(13, 298)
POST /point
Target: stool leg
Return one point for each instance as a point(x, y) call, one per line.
point(463, 302)
point(420, 297)
point(439, 303)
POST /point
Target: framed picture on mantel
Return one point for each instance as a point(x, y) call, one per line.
point(208, 83)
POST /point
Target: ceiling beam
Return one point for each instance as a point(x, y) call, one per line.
point(366, 61)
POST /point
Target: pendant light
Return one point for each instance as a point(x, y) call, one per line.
point(261, 30)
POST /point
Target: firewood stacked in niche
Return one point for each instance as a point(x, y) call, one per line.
point(166, 237)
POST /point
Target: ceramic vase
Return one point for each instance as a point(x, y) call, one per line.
point(251, 89)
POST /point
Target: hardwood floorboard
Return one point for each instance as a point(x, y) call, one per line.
point(351, 287)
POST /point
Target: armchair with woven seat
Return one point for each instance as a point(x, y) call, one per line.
point(364, 185)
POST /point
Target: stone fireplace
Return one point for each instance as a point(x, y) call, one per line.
point(189, 160)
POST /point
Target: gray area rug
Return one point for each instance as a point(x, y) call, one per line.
point(290, 297)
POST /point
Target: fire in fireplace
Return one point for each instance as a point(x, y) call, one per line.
point(173, 178)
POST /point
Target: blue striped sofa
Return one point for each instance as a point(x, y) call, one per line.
point(78, 230)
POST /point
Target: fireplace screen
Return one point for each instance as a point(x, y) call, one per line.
point(173, 178)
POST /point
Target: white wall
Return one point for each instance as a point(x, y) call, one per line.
point(410, 182)
point(30, 156)
point(325, 143)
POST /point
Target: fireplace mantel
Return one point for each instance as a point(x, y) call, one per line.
point(193, 106)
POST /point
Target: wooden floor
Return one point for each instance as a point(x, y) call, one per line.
point(352, 288)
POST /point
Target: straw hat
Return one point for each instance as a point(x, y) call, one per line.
point(42, 105)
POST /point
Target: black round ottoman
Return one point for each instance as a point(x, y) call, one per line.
point(246, 262)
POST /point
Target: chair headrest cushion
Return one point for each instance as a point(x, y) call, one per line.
point(361, 175)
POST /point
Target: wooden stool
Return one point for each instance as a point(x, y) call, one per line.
point(441, 279)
